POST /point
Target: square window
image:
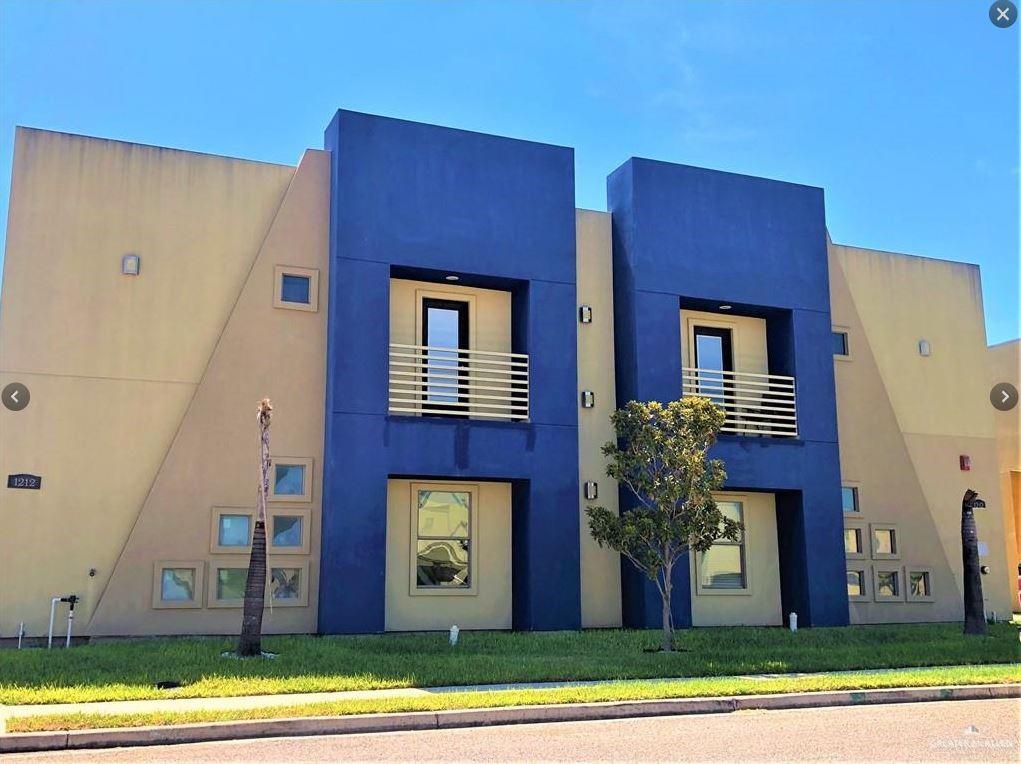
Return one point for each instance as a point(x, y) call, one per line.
point(840, 344)
point(290, 479)
point(287, 530)
point(852, 541)
point(285, 586)
point(919, 587)
point(230, 583)
point(177, 585)
point(234, 530)
point(295, 288)
point(849, 498)
point(856, 583)
point(887, 584)
point(885, 542)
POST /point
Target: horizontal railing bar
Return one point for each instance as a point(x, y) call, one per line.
point(780, 404)
point(424, 401)
point(437, 367)
point(742, 414)
point(458, 350)
point(713, 379)
point(487, 414)
point(477, 383)
point(418, 394)
point(737, 373)
point(458, 357)
point(792, 433)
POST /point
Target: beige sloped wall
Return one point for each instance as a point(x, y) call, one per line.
point(904, 419)
point(213, 460)
point(600, 567)
point(111, 360)
point(1005, 366)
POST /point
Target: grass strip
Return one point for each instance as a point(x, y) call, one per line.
point(130, 669)
point(691, 688)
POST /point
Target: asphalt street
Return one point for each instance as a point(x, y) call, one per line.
point(980, 730)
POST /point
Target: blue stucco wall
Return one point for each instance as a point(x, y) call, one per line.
point(421, 201)
point(689, 236)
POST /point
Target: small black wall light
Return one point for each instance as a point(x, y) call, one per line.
point(585, 314)
point(588, 399)
point(591, 490)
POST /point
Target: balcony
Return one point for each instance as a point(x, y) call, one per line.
point(428, 380)
point(756, 404)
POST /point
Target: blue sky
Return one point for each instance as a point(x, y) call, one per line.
point(905, 112)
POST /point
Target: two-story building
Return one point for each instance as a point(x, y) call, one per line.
point(444, 336)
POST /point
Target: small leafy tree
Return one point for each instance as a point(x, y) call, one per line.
point(662, 457)
point(250, 643)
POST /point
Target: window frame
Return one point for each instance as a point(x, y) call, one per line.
point(909, 597)
point(312, 274)
point(214, 530)
point(856, 490)
point(893, 528)
point(866, 579)
point(473, 541)
point(864, 540)
point(305, 513)
point(710, 591)
point(302, 566)
point(196, 603)
point(214, 574)
point(846, 331)
point(306, 495)
point(879, 569)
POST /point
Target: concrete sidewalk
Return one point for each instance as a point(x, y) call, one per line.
point(271, 701)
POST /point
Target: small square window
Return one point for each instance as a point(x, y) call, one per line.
point(287, 530)
point(177, 584)
point(855, 583)
point(290, 479)
point(840, 344)
point(287, 586)
point(230, 584)
point(919, 585)
point(885, 542)
point(887, 585)
point(852, 540)
point(234, 530)
point(849, 498)
point(296, 288)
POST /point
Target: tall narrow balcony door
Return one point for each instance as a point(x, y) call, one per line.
point(444, 331)
point(714, 354)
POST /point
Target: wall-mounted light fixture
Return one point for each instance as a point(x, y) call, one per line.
point(585, 314)
point(726, 307)
point(588, 399)
point(591, 490)
point(924, 348)
point(451, 277)
point(130, 265)
point(965, 462)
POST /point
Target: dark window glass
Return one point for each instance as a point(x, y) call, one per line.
point(295, 289)
point(840, 343)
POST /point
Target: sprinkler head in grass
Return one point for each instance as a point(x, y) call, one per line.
point(454, 632)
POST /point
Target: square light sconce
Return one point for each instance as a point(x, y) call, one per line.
point(130, 265)
point(585, 314)
point(924, 348)
point(588, 399)
point(591, 490)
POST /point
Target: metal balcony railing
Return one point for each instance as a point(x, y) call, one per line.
point(458, 382)
point(756, 404)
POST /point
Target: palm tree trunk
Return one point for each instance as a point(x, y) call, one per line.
point(250, 642)
point(974, 609)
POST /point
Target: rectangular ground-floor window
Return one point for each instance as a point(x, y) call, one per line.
point(919, 588)
point(288, 585)
point(854, 542)
point(722, 567)
point(857, 583)
point(888, 585)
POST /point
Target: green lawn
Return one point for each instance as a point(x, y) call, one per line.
point(616, 692)
point(130, 669)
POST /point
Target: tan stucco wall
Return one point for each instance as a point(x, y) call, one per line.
point(1005, 366)
point(904, 419)
point(489, 605)
point(748, 339)
point(213, 460)
point(600, 568)
point(759, 603)
point(112, 361)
